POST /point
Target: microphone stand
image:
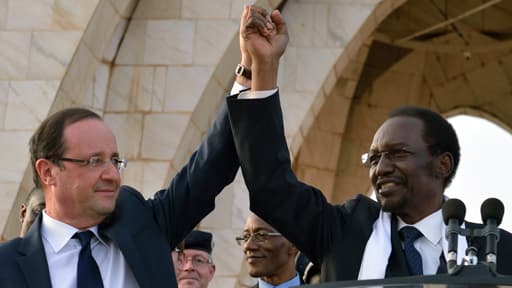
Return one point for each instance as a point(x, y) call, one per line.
point(470, 264)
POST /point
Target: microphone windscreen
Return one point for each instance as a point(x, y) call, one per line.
point(492, 208)
point(454, 208)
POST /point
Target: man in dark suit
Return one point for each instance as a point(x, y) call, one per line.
point(77, 165)
point(412, 159)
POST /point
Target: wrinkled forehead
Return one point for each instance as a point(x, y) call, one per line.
point(400, 131)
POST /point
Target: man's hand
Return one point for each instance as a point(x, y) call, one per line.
point(263, 40)
point(263, 35)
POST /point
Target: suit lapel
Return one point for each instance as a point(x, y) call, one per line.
point(442, 265)
point(128, 247)
point(32, 258)
point(397, 264)
point(366, 214)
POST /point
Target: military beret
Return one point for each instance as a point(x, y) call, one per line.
point(199, 240)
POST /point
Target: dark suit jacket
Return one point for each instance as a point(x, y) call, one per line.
point(143, 229)
point(333, 235)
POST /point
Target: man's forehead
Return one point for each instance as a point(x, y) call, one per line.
point(254, 223)
point(195, 252)
point(89, 125)
point(398, 132)
point(92, 133)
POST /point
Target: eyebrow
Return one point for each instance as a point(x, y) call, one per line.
point(262, 229)
point(399, 145)
point(100, 154)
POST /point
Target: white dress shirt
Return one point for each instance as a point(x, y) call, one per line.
point(62, 254)
point(430, 246)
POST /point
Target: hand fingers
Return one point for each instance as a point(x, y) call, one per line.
point(278, 21)
point(258, 10)
point(255, 20)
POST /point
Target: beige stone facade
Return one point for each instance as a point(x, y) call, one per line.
point(157, 70)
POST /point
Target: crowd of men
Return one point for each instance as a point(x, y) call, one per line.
point(93, 232)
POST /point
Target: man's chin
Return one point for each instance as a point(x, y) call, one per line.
point(393, 207)
point(255, 273)
point(188, 283)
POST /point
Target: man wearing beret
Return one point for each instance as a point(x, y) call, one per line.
point(193, 262)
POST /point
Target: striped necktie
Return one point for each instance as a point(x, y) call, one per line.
point(409, 234)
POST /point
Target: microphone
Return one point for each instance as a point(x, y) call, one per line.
point(492, 211)
point(454, 212)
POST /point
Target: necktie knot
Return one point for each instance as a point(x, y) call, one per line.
point(409, 234)
point(84, 237)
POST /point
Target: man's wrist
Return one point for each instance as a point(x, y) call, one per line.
point(242, 70)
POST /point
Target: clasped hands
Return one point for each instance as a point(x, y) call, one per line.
point(263, 40)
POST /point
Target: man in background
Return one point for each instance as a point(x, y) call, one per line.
point(30, 209)
point(269, 256)
point(193, 262)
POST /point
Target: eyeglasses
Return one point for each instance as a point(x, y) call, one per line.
point(371, 159)
point(97, 162)
point(258, 237)
point(197, 261)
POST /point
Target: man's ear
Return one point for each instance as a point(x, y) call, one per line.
point(45, 171)
point(212, 272)
point(444, 165)
point(293, 250)
point(23, 212)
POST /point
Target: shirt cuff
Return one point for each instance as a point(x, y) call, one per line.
point(256, 94)
point(237, 87)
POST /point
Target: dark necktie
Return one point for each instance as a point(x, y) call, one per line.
point(409, 234)
point(88, 273)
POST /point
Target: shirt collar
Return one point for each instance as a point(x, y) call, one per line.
point(295, 281)
point(58, 233)
point(431, 227)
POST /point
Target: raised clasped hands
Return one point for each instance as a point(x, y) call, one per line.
point(263, 40)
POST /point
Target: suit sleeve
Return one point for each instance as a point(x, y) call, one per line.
point(299, 211)
point(191, 193)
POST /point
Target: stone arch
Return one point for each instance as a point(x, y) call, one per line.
point(393, 74)
point(332, 101)
point(480, 113)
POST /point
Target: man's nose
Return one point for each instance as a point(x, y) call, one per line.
point(384, 166)
point(250, 244)
point(187, 265)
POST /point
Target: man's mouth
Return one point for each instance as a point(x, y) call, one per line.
point(252, 259)
point(385, 187)
point(187, 279)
